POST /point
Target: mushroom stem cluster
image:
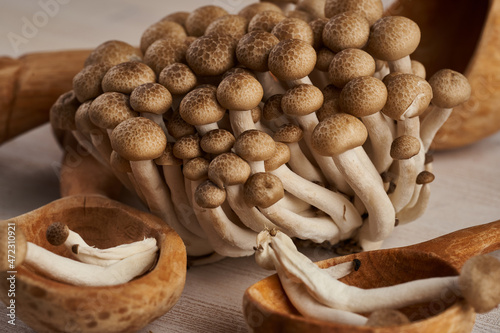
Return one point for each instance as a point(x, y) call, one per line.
point(320, 103)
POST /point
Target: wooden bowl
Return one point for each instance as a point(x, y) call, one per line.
point(50, 306)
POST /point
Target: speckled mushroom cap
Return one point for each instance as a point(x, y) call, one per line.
point(292, 59)
point(345, 31)
point(294, 28)
point(209, 195)
point(393, 38)
point(161, 30)
point(263, 190)
point(57, 233)
point(402, 91)
point(272, 107)
point(338, 134)
point(164, 52)
point(450, 88)
point(280, 157)
point(82, 118)
point(217, 141)
point(254, 145)
point(363, 96)
point(317, 27)
point(127, 76)
point(254, 48)
point(198, 21)
point(113, 52)
point(167, 157)
point(110, 109)
point(178, 127)
point(300, 14)
point(87, 83)
point(138, 139)
point(196, 168)
point(119, 163)
point(265, 21)
point(239, 92)
point(314, 7)
point(233, 25)
point(200, 107)
point(349, 64)
point(302, 100)
point(152, 98)
point(371, 9)
point(228, 169)
point(177, 17)
point(404, 147)
point(324, 59)
point(425, 177)
point(62, 112)
point(253, 9)
point(211, 55)
point(418, 68)
point(178, 78)
point(288, 133)
point(187, 147)
point(237, 70)
point(331, 104)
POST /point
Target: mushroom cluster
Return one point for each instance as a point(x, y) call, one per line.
point(307, 117)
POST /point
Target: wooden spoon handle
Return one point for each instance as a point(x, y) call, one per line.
point(30, 85)
point(460, 245)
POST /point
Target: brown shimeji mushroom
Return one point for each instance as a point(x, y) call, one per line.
point(418, 69)
point(232, 25)
point(371, 9)
point(265, 21)
point(121, 167)
point(160, 30)
point(127, 76)
point(255, 8)
point(201, 109)
point(211, 55)
point(179, 79)
point(199, 19)
point(152, 100)
point(113, 52)
point(177, 17)
point(316, 8)
point(346, 31)
point(87, 83)
point(422, 194)
point(349, 64)
point(293, 28)
point(165, 52)
point(317, 27)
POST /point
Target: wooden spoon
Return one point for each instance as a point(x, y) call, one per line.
point(267, 309)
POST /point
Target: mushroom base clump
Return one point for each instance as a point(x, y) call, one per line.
point(207, 101)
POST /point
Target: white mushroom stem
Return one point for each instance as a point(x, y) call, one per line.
point(402, 65)
point(270, 84)
point(405, 184)
point(294, 83)
point(241, 121)
point(204, 129)
point(381, 139)
point(382, 72)
point(319, 78)
point(257, 166)
point(301, 165)
point(100, 141)
point(411, 213)
point(117, 252)
point(431, 124)
point(85, 141)
point(73, 272)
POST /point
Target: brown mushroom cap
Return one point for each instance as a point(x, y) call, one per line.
point(209, 195)
point(302, 100)
point(425, 177)
point(338, 134)
point(418, 68)
point(345, 31)
point(238, 70)
point(331, 105)
point(187, 147)
point(288, 133)
point(200, 107)
point(349, 64)
point(265, 21)
point(217, 141)
point(254, 48)
point(177, 17)
point(294, 28)
point(371, 9)
point(57, 233)
point(272, 107)
point(110, 109)
point(280, 157)
point(324, 59)
point(198, 21)
point(138, 139)
point(263, 189)
point(152, 98)
point(254, 145)
point(363, 96)
point(168, 158)
point(316, 8)
point(87, 83)
point(387, 317)
point(292, 59)
point(82, 118)
point(239, 92)
point(6, 244)
point(178, 78)
point(165, 52)
point(317, 27)
point(211, 55)
point(160, 30)
point(253, 9)
point(300, 15)
point(178, 127)
point(233, 25)
point(196, 168)
point(127, 76)
point(228, 169)
point(119, 163)
point(404, 147)
point(113, 52)
point(62, 112)
point(450, 88)
point(393, 38)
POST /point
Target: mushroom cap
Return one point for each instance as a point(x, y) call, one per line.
point(200, 107)
point(239, 92)
point(293, 28)
point(233, 25)
point(280, 157)
point(256, 113)
point(317, 27)
point(349, 64)
point(167, 157)
point(300, 15)
point(393, 38)
point(127, 76)
point(425, 177)
point(265, 21)
point(138, 139)
point(404, 147)
point(253, 9)
point(302, 100)
point(82, 118)
point(113, 52)
point(324, 59)
point(338, 134)
point(110, 109)
point(418, 69)
point(119, 163)
point(478, 282)
point(152, 98)
point(198, 21)
point(187, 147)
point(178, 127)
point(20, 246)
point(211, 55)
point(177, 17)
point(209, 195)
point(263, 190)
point(228, 169)
point(363, 96)
point(387, 317)
point(178, 78)
point(316, 8)
point(450, 88)
point(272, 107)
point(62, 112)
point(237, 70)
point(254, 48)
point(403, 91)
point(87, 83)
point(57, 233)
point(254, 145)
point(371, 9)
point(345, 31)
point(160, 30)
point(217, 141)
point(165, 52)
point(196, 168)
point(292, 59)
point(331, 105)
point(288, 133)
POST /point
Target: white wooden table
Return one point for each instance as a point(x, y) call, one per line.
point(466, 191)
